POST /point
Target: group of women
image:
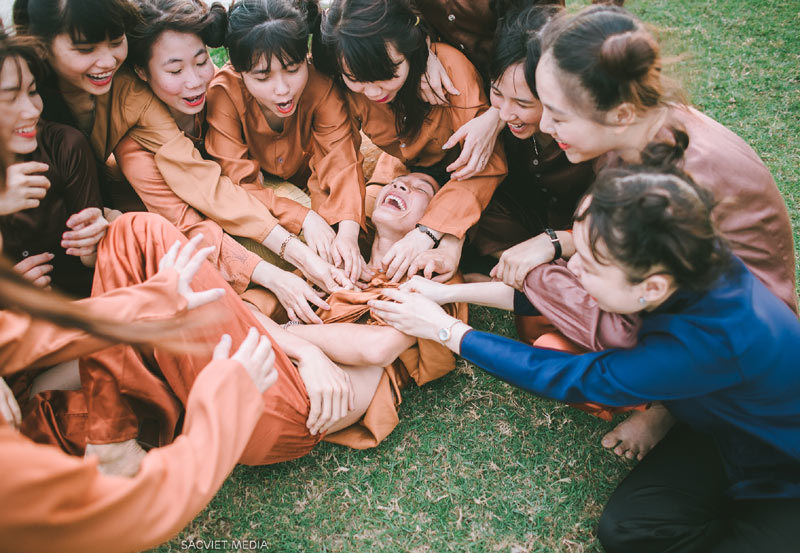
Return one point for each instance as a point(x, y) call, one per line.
point(644, 247)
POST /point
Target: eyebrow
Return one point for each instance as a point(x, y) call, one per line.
point(173, 60)
point(551, 108)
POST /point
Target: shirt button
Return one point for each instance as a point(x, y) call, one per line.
point(536, 162)
point(451, 17)
point(280, 160)
point(26, 253)
point(403, 145)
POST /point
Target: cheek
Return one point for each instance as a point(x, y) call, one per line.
point(207, 74)
point(167, 85)
point(354, 86)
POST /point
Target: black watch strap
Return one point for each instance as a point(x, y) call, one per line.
point(555, 241)
point(426, 230)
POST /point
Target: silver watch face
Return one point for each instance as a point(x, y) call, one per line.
point(444, 334)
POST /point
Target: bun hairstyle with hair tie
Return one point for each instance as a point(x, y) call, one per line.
point(517, 41)
point(613, 56)
point(269, 28)
point(653, 218)
point(354, 39)
point(181, 16)
point(84, 20)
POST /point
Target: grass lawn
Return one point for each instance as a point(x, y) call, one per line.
point(478, 466)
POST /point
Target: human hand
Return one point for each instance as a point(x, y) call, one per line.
point(434, 291)
point(187, 262)
point(88, 226)
point(479, 136)
point(435, 82)
point(292, 292)
point(323, 274)
point(441, 261)
point(255, 354)
point(403, 253)
point(411, 314)
point(345, 250)
point(319, 236)
point(24, 187)
point(9, 408)
point(516, 262)
point(329, 390)
point(36, 268)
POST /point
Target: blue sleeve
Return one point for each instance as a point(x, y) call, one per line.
point(523, 306)
point(661, 367)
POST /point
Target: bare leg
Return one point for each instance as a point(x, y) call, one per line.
point(365, 381)
point(375, 345)
point(64, 376)
point(639, 433)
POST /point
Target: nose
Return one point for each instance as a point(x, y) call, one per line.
point(106, 59)
point(506, 111)
point(281, 87)
point(546, 123)
point(400, 185)
point(193, 79)
point(373, 91)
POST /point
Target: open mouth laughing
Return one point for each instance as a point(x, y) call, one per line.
point(395, 202)
point(100, 79)
point(195, 101)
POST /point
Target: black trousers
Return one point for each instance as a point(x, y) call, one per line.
point(674, 501)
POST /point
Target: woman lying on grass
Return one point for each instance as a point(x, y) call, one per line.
point(715, 346)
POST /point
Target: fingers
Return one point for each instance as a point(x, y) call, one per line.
point(314, 412)
point(340, 280)
point(207, 296)
point(305, 312)
point(454, 139)
point(32, 261)
point(223, 348)
point(189, 270)
point(30, 167)
point(187, 252)
point(248, 345)
point(448, 84)
point(312, 297)
point(83, 218)
point(169, 258)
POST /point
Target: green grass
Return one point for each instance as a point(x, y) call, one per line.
point(476, 465)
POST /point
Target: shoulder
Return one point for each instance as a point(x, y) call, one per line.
point(128, 88)
point(63, 143)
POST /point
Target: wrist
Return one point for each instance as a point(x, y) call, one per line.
point(264, 274)
point(348, 229)
point(433, 235)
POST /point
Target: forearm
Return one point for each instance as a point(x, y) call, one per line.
point(377, 345)
point(490, 294)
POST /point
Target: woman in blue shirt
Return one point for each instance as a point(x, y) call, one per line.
point(716, 347)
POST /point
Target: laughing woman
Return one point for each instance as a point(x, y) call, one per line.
point(86, 46)
point(378, 50)
point(271, 113)
point(715, 345)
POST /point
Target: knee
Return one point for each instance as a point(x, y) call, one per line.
point(610, 530)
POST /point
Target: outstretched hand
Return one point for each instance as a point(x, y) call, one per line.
point(187, 262)
point(87, 228)
point(255, 354)
point(411, 314)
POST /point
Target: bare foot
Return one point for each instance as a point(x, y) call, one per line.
point(120, 459)
point(638, 434)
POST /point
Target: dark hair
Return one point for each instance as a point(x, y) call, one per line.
point(437, 172)
point(25, 48)
point(614, 57)
point(517, 40)
point(653, 215)
point(84, 20)
point(182, 16)
point(269, 28)
point(357, 34)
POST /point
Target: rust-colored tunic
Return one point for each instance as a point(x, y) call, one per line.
point(423, 362)
point(319, 136)
point(458, 205)
point(128, 389)
point(52, 501)
point(751, 215)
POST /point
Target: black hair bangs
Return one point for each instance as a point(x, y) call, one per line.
point(366, 59)
point(86, 21)
point(274, 38)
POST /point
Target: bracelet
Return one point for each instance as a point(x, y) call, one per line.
point(425, 230)
point(555, 241)
point(283, 245)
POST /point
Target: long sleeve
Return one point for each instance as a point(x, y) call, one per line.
point(56, 499)
point(81, 184)
point(233, 260)
point(232, 143)
point(29, 343)
point(459, 204)
point(336, 185)
point(661, 367)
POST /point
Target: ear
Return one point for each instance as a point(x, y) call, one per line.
point(622, 116)
point(656, 288)
point(142, 74)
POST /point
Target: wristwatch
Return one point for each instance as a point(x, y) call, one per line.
point(425, 230)
point(445, 333)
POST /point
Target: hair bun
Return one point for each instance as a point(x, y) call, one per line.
point(217, 26)
point(663, 154)
point(629, 55)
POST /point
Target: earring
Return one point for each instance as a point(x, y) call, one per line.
point(642, 301)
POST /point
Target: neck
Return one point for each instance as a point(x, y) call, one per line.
point(185, 121)
point(384, 239)
point(642, 133)
point(275, 123)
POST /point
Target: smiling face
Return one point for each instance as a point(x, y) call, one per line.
point(277, 88)
point(22, 105)
point(179, 71)
point(581, 137)
point(382, 92)
point(518, 107)
point(87, 66)
point(402, 203)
